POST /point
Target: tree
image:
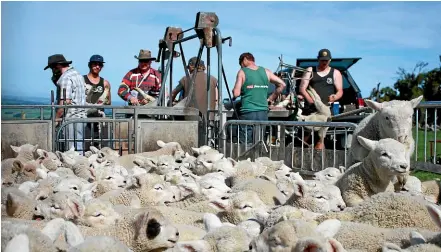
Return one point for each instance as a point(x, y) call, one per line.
point(410, 84)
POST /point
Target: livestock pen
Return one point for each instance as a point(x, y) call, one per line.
point(134, 135)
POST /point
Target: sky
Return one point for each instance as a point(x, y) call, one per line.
point(386, 35)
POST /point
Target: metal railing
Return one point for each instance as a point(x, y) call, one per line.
point(284, 140)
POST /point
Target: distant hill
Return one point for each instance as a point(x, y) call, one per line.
point(18, 100)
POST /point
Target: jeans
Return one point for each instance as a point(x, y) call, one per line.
point(75, 129)
point(248, 132)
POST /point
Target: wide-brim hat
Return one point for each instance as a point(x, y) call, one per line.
point(145, 55)
point(56, 59)
point(192, 62)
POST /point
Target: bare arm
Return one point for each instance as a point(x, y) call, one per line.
point(240, 79)
point(176, 91)
point(280, 84)
point(338, 83)
point(304, 85)
point(109, 96)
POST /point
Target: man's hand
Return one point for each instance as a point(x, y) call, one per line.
point(332, 98)
point(58, 121)
point(134, 101)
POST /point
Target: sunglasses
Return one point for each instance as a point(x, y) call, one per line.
point(96, 64)
point(145, 61)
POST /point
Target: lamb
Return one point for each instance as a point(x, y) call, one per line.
point(316, 197)
point(267, 191)
point(392, 119)
point(19, 237)
point(288, 213)
point(323, 114)
point(374, 174)
point(297, 236)
point(388, 210)
point(220, 238)
point(431, 189)
point(79, 165)
point(329, 175)
point(143, 229)
point(165, 149)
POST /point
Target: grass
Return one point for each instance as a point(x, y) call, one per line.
point(423, 175)
point(421, 142)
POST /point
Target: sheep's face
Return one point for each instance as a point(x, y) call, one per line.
point(395, 118)
point(285, 186)
point(282, 171)
point(20, 207)
point(113, 181)
point(205, 162)
point(100, 214)
point(387, 155)
point(213, 185)
point(26, 151)
point(162, 194)
point(317, 197)
point(153, 231)
point(66, 205)
point(224, 166)
point(329, 175)
point(74, 185)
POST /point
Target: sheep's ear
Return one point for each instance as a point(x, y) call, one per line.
point(15, 148)
point(367, 143)
point(149, 162)
point(218, 205)
point(390, 247)
point(193, 246)
point(18, 243)
point(299, 188)
point(139, 223)
point(189, 187)
point(233, 162)
point(207, 165)
point(336, 245)
point(160, 143)
point(265, 177)
point(196, 150)
point(416, 101)
point(90, 187)
point(307, 244)
point(416, 238)
point(435, 213)
point(59, 155)
point(13, 202)
point(328, 228)
point(94, 149)
point(17, 166)
point(211, 222)
point(72, 234)
point(54, 228)
point(373, 104)
point(35, 148)
point(75, 207)
point(139, 162)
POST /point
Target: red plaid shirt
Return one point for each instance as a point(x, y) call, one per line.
point(150, 84)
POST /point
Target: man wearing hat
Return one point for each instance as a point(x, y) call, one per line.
point(141, 83)
point(65, 77)
point(97, 92)
point(326, 81)
point(200, 87)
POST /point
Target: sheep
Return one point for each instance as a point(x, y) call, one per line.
point(148, 189)
point(19, 205)
point(329, 175)
point(79, 165)
point(165, 149)
point(390, 247)
point(374, 174)
point(267, 191)
point(431, 189)
point(297, 236)
point(392, 119)
point(221, 238)
point(24, 238)
point(289, 213)
point(143, 229)
point(100, 244)
point(388, 210)
point(316, 197)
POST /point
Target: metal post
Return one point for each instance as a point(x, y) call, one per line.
point(207, 117)
point(219, 80)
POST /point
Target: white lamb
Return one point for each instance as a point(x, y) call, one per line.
point(386, 159)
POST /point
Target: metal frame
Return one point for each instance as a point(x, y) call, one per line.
point(209, 36)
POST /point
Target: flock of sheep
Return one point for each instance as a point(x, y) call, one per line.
point(171, 200)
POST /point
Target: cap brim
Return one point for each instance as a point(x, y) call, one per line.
point(152, 58)
point(324, 58)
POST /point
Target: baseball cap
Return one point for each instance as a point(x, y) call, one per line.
point(97, 58)
point(324, 54)
point(192, 62)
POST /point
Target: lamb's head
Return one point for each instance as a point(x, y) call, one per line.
point(26, 151)
point(66, 205)
point(285, 186)
point(329, 175)
point(225, 166)
point(204, 163)
point(99, 213)
point(80, 166)
point(71, 184)
point(316, 197)
point(298, 236)
point(51, 160)
point(211, 185)
point(388, 156)
point(241, 206)
point(22, 172)
point(162, 164)
point(203, 150)
point(395, 117)
point(153, 188)
point(18, 205)
point(173, 146)
point(109, 182)
point(153, 231)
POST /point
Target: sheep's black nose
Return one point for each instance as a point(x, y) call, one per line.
point(403, 166)
point(177, 233)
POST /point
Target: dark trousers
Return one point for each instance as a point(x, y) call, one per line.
point(248, 130)
point(92, 131)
